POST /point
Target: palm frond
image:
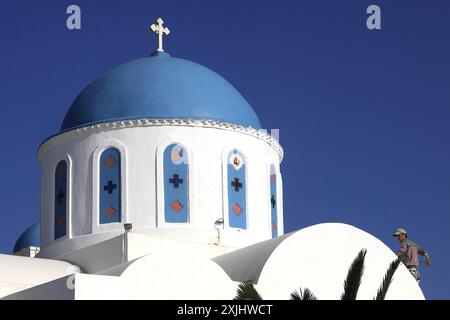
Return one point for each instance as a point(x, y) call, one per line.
point(303, 295)
point(246, 291)
point(353, 280)
point(387, 280)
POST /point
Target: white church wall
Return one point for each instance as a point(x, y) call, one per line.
point(99, 256)
point(129, 246)
point(141, 194)
point(139, 245)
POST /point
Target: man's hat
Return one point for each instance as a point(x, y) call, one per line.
point(399, 231)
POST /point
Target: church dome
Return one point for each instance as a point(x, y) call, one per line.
point(31, 237)
point(159, 87)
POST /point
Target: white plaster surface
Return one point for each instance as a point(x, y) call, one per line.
point(142, 191)
point(19, 273)
point(318, 258)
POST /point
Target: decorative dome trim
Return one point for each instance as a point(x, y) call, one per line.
point(260, 134)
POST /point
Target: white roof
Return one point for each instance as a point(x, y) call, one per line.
point(19, 273)
point(318, 258)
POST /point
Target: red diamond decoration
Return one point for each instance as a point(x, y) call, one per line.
point(110, 211)
point(110, 162)
point(176, 206)
point(274, 226)
point(273, 178)
point(237, 209)
point(236, 161)
point(60, 221)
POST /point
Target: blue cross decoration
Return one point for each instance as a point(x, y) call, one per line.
point(61, 195)
point(110, 186)
point(236, 185)
point(60, 203)
point(176, 181)
point(176, 184)
point(273, 201)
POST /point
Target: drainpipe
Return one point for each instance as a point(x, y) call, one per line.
point(217, 224)
point(128, 227)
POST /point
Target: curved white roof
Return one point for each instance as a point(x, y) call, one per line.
point(318, 258)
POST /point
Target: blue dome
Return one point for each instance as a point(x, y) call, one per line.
point(159, 87)
point(30, 237)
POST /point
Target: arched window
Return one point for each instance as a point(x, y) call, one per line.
point(237, 202)
point(273, 201)
point(176, 184)
point(60, 213)
point(110, 186)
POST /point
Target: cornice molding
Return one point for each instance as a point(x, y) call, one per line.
point(114, 125)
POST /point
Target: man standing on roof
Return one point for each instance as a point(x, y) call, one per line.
point(409, 251)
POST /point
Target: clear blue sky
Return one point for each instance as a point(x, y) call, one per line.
point(364, 116)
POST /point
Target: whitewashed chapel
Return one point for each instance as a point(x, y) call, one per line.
point(162, 185)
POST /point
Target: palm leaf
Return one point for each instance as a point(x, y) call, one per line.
point(387, 280)
point(246, 291)
point(303, 295)
point(353, 280)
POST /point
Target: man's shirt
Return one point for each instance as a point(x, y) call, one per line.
point(412, 250)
